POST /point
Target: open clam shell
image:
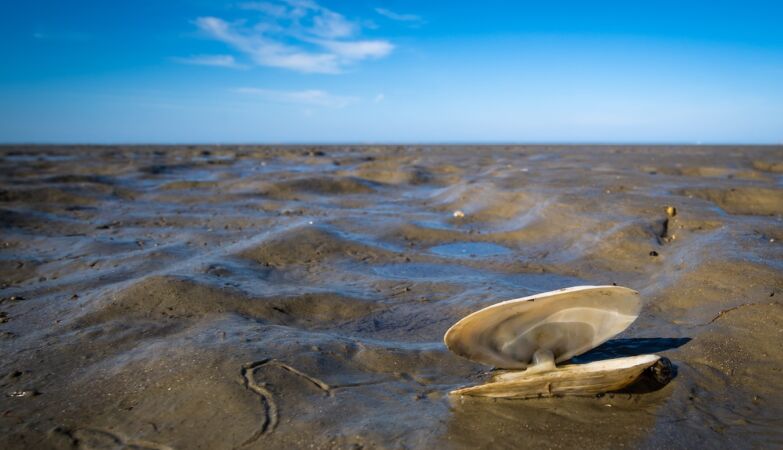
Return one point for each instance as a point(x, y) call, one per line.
point(566, 323)
point(573, 379)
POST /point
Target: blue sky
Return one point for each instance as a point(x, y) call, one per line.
point(391, 71)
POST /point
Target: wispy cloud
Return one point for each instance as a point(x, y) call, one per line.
point(412, 19)
point(210, 60)
point(357, 50)
point(298, 35)
point(271, 9)
point(310, 97)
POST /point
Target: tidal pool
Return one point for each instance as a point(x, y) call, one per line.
point(471, 250)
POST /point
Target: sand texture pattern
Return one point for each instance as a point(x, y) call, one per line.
point(228, 297)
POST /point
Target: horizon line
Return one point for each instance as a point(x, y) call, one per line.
point(394, 143)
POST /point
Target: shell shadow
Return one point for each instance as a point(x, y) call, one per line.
point(619, 348)
point(653, 378)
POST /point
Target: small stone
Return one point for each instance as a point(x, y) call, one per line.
point(671, 211)
point(75, 297)
point(653, 253)
point(459, 214)
point(23, 394)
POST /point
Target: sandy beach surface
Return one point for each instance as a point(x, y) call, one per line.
point(199, 297)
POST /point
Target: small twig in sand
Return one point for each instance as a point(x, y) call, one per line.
point(720, 314)
point(270, 407)
point(320, 384)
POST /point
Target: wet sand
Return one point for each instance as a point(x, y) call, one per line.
point(267, 297)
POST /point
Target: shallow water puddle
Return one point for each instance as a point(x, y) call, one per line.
point(471, 250)
point(427, 271)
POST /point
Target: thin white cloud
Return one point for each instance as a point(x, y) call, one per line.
point(310, 97)
point(268, 52)
point(266, 8)
point(331, 25)
point(210, 60)
point(379, 98)
point(412, 18)
point(298, 35)
point(358, 50)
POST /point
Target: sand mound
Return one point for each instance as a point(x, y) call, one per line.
point(167, 299)
point(46, 195)
point(699, 171)
point(393, 171)
point(768, 166)
point(319, 186)
point(187, 185)
point(165, 169)
point(312, 244)
point(743, 200)
point(623, 248)
point(416, 234)
point(697, 295)
point(485, 202)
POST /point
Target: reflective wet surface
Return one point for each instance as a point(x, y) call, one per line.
point(257, 297)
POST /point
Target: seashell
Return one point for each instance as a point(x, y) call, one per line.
point(573, 379)
point(566, 322)
point(537, 332)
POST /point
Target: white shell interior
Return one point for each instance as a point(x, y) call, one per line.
point(566, 322)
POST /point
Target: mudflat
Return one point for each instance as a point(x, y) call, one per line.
point(220, 297)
